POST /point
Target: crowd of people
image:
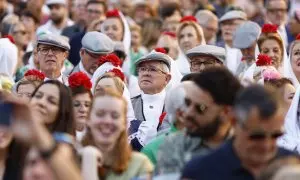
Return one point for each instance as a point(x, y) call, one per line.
point(149, 89)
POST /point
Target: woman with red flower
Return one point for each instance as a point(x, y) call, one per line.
point(81, 85)
point(112, 26)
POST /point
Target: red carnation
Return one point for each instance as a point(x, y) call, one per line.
point(80, 79)
point(34, 74)
point(269, 28)
point(112, 13)
point(117, 72)
point(161, 118)
point(171, 34)
point(11, 39)
point(161, 50)
point(188, 18)
point(298, 37)
point(112, 58)
point(263, 60)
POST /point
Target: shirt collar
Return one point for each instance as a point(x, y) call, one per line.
point(60, 79)
point(82, 69)
point(154, 97)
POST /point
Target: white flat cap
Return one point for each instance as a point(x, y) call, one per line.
point(50, 2)
point(235, 14)
point(54, 40)
point(97, 43)
point(156, 56)
point(215, 51)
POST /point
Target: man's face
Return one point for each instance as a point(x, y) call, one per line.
point(201, 115)
point(141, 13)
point(95, 12)
point(79, 9)
point(89, 61)
point(210, 30)
point(228, 27)
point(256, 138)
point(57, 13)
point(277, 12)
point(201, 62)
point(249, 53)
point(152, 78)
point(51, 58)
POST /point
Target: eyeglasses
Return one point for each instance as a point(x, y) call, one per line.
point(205, 63)
point(91, 11)
point(275, 10)
point(28, 95)
point(45, 51)
point(200, 108)
point(150, 69)
point(95, 56)
point(257, 135)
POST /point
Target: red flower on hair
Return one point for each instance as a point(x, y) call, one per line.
point(80, 79)
point(11, 39)
point(298, 37)
point(113, 13)
point(168, 33)
point(188, 18)
point(161, 50)
point(269, 28)
point(34, 74)
point(263, 60)
point(117, 72)
point(161, 118)
point(112, 58)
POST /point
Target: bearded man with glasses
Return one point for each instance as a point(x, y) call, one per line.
point(258, 123)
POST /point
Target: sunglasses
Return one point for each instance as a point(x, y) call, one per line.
point(258, 135)
point(200, 108)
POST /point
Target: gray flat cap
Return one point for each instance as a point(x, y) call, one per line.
point(54, 40)
point(215, 51)
point(246, 34)
point(235, 14)
point(50, 2)
point(156, 56)
point(97, 43)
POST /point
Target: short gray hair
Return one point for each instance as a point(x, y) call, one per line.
point(205, 16)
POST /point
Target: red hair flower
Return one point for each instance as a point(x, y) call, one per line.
point(117, 72)
point(188, 18)
point(263, 60)
point(11, 39)
point(34, 74)
point(162, 117)
point(161, 50)
point(80, 79)
point(112, 58)
point(269, 28)
point(168, 33)
point(298, 37)
point(113, 13)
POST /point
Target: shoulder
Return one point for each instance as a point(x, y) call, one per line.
point(141, 160)
point(284, 152)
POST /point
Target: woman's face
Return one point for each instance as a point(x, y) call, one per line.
point(289, 92)
point(45, 103)
point(25, 91)
point(113, 28)
point(81, 104)
point(106, 83)
point(188, 38)
point(5, 138)
point(36, 168)
point(295, 59)
point(272, 48)
point(107, 121)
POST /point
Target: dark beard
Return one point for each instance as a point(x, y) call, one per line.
point(57, 20)
point(207, 131)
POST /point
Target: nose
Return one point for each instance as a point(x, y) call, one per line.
point(50, 50)
point(83, 109)
point(41, 102)
point(271, 54)
point(185, 39)
point(202, 67)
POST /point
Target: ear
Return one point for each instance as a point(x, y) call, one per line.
point(227, 113)
point(168, 78)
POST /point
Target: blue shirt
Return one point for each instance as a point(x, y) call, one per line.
point(221, 164)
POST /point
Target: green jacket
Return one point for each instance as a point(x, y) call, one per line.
point(150, 150)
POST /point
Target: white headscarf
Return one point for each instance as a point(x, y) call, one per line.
point(100, 72)
point(8, 58)
point(289, 73)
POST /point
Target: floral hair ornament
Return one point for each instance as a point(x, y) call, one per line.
point(112, 58)
point(161, 50)
point(80, 79)
point(11, 39)
point(263, 60)
point(270, 73)
point(269, 28)
point(168, 33)
point(188, 18)
point(34, 75)
point(117, 72)
point(113, 13)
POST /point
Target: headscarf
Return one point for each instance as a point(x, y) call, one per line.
point(289, 73)
point(8, 58)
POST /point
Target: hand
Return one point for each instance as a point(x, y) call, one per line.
point(92, 155)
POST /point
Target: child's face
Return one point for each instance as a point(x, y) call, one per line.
point(135, 38)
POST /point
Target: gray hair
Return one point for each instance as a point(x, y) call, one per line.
point(205, 16)
point(175, 101)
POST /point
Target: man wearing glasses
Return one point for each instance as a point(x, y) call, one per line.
point(153, 77)
point(258, 123)
point(52, 50)
point(207, 119)
point(94, 45)
point(205, 56)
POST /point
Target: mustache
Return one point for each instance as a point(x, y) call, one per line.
point(192, 120)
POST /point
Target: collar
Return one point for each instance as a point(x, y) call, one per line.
point(60, 79)
point(82, 69)
point(154, 97)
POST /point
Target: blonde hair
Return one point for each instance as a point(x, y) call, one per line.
point(118, 82)
point(197, 27)
point(122, 148)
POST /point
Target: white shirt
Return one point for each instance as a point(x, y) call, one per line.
point(8, 57)
point(60, 79)
point(82, 69)
point(282, 32)
point(50, 27)
point(233, 58)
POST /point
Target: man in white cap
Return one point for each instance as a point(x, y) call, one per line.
point(205, 56)
point(94, 45)
point(245, 38)
point(228, 23)
point(58, 17)
point(52, 50)
point(153, 77)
